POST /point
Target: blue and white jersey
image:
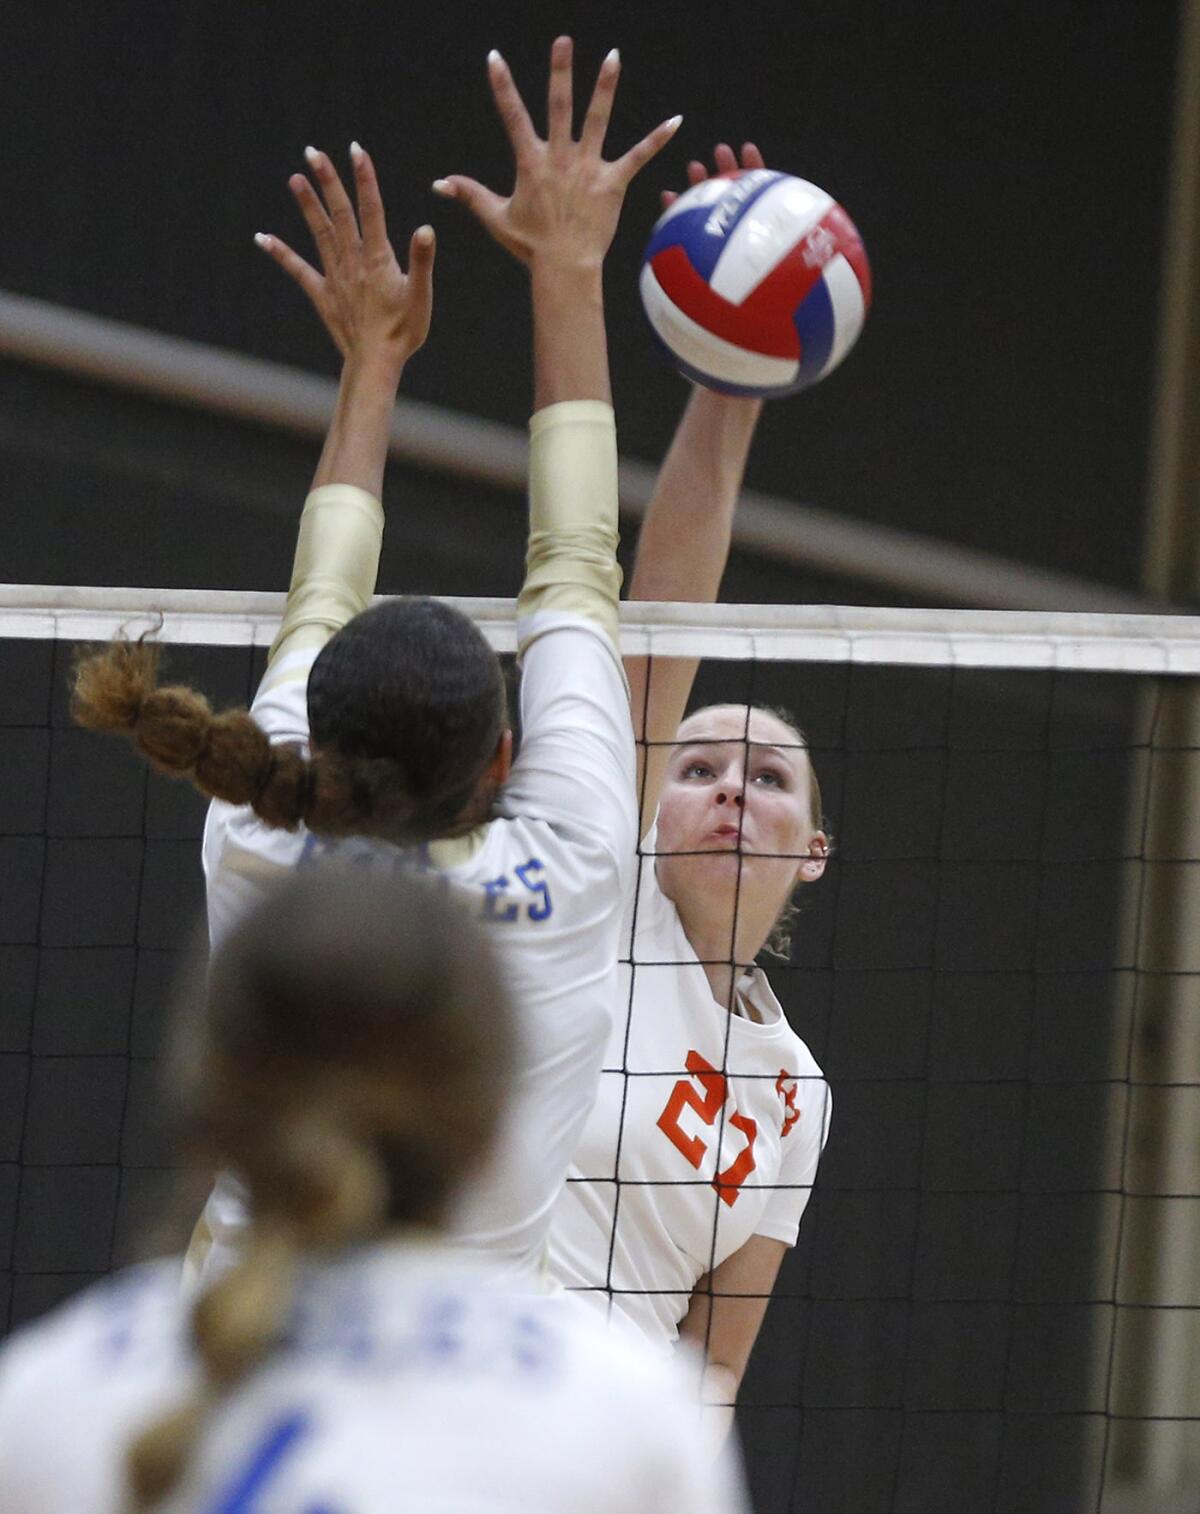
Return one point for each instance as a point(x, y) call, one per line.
point(410, 1378)
point(547, 877)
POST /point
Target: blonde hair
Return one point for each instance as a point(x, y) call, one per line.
point(348, 1056)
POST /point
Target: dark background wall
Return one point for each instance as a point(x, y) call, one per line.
point(959, 974)
point(1005, 163)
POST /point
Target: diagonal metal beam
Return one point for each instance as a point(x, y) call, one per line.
point(445, 441)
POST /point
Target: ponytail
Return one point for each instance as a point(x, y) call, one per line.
point(337, 1021)
point(329, 1192)
point(230, 757)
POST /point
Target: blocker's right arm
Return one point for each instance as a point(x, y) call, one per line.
point(559, 222)
point(576, 759)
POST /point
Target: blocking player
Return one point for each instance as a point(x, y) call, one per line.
point(698, 1159)
point(350, 1056)
point(377, 729)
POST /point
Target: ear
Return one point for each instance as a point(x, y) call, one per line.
point(818, 854)
point(501, 763)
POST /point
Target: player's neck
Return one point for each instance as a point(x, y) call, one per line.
point(724, 960)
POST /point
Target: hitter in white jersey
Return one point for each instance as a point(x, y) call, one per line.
point(351, 1362)
point(381, 733)
point(698, 1159)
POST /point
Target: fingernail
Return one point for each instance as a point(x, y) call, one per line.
point(311, 154)
point(674, 122)
point(494, 57)
point(356, 151)
point(443, 187)
point(262, 239)
point(424, 236)
point(614, 56)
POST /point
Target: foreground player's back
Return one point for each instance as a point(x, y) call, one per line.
point(410, 1378)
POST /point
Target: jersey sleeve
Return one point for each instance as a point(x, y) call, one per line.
point(802, 1150)
point(576, 765)
point(571, 564)
point(334, 570)
point(333, 579)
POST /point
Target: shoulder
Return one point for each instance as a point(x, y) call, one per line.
point(763, 995)
point(90, 1334)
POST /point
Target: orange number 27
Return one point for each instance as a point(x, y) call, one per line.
point(708, 1105)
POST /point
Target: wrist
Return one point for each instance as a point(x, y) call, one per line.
point(571, 274)
point(378, 365)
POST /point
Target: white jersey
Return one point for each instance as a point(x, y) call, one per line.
point(547, 876)
point(707, 1130)
point(410, 1379)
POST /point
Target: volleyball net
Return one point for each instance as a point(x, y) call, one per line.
point(995, 1301)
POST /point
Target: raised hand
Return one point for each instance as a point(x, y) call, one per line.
point(367, 303)
point(724, 161)
point(567, 199)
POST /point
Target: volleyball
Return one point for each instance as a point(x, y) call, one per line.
point(756, 283)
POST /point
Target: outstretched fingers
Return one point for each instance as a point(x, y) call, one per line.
point(315, 218)
point(724, 158)
point(599, 111)
point(631, 164)
point(751, 157)
point(337, 201)
point(513, 115)
point(371, 214)
point(560, 97)
point(292, 264)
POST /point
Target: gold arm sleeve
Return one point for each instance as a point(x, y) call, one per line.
point(571, 563)
point(336, 564)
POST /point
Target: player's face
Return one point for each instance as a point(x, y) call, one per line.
point(736, 798)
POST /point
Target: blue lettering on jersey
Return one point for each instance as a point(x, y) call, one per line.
point(446, 1332)
point(543, 909)
point(492, 908)
point(535, 904)
point(441, 1329)
point(241, 1495)
point(533, 1345)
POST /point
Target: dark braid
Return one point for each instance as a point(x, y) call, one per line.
point(406, 705)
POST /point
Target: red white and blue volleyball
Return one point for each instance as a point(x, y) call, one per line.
point(755, 282)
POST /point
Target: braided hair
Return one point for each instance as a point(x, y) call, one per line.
point(406, 709)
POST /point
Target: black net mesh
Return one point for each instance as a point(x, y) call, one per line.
point(994, 1304)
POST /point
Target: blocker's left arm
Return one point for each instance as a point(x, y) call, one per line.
point(724, 1318)
point(377, 316)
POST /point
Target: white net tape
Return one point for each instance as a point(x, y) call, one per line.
point(1030, 639)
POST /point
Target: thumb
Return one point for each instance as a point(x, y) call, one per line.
point(479, 200)
point(422, 247)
